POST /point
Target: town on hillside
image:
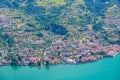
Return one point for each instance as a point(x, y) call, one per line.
point(49, 32)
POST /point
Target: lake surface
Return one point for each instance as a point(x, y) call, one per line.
point(105, 69)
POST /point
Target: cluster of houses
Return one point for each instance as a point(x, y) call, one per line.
point(41, 51)
point(67, 51)
point(59, 51)
point(76, 51)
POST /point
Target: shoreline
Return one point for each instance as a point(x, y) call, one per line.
point(65, 72)
point(106, 57)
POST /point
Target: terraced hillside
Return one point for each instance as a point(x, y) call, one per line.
point(45, 32)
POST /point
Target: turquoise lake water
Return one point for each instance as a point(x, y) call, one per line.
point(104, 69)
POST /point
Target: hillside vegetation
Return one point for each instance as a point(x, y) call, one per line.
point(30, 28)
